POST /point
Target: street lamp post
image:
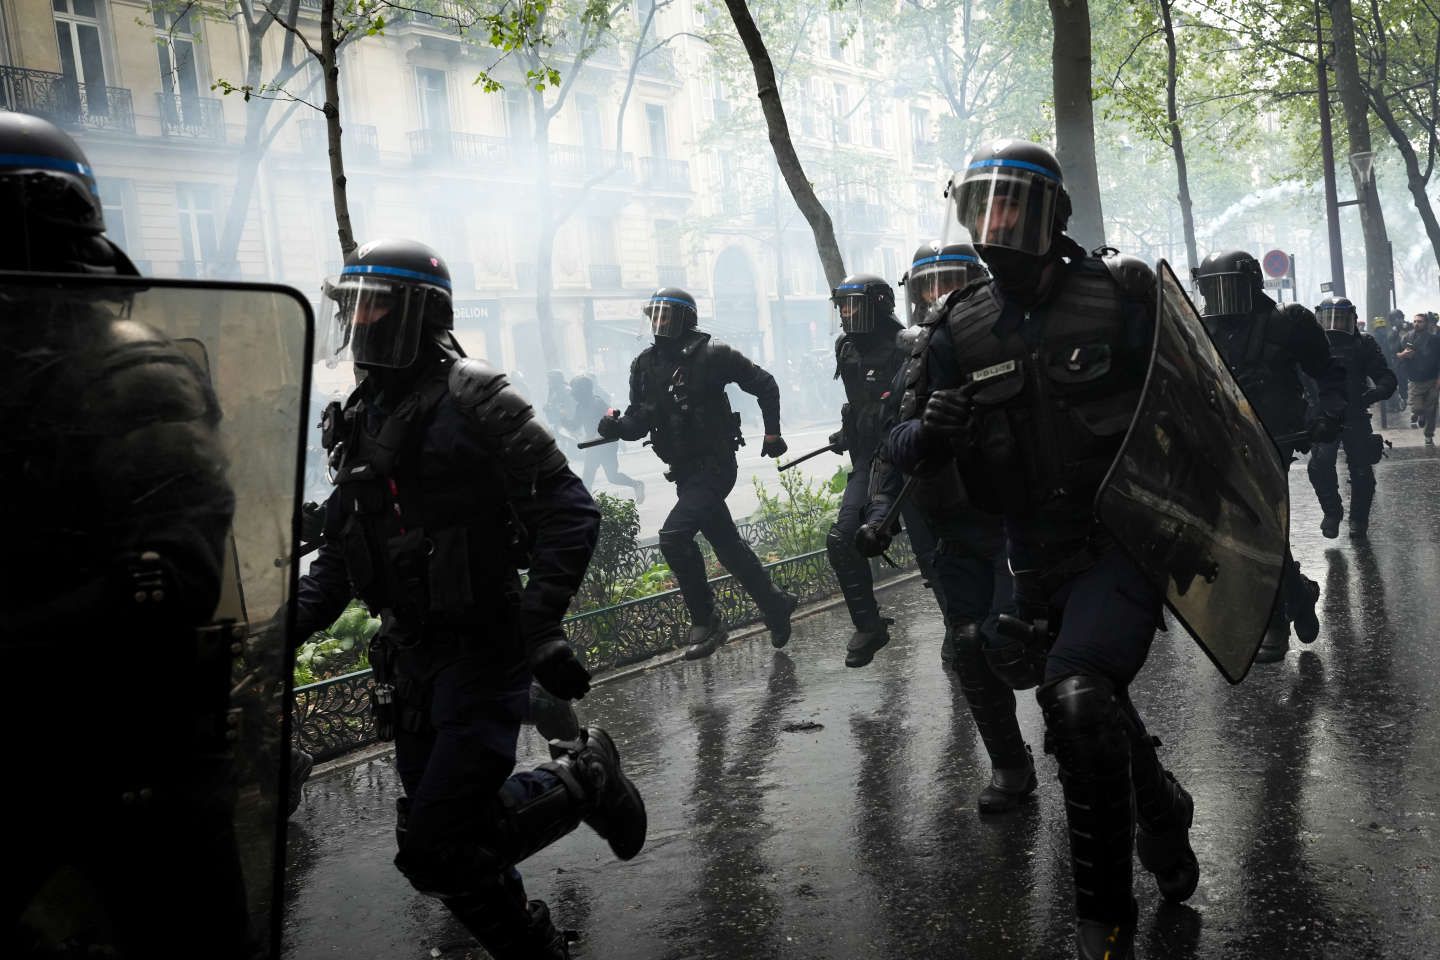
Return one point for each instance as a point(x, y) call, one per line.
point(1327, 157)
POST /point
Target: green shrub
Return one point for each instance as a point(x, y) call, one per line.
point(800, 515)
point(341, 648)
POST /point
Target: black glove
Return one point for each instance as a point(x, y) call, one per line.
point(948, 413)
point(1325, 429)
point(774, 446)
point(312, 522)
point(608, 427)
point(554, 665)
point(837, 441)
point(1369, 397)
point(870, 540)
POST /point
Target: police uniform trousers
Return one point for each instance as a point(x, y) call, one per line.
point(852, 569)
point(607, 456)
point(701, 487)
point(1358, 452)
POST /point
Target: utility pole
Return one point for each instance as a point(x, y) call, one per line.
point(1327, 157)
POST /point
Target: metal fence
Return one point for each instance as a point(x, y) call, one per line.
point(332, 717)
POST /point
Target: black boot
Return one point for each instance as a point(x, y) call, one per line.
point(1086, 732)
point(705, 638)
point(1008, 788)
point(509, 929)
point(1330, 524)
point(867, 641)
point(992, 704)
point(777, 619)
point(1301, 596)
point(1275, 644)
point(614, 807)
point(947, 649)
point(1164, 812)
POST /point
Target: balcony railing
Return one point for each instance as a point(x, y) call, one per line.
point(195, 118)
point(858, 215)
point(664, 174)
point(66, 101)
point(659, 63)
point(451, 145)
point(670, 276)
point(605, 276)
point(581, 163)
point(359, 141)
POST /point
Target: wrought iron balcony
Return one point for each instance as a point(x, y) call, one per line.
point(670, 276)
point(491, 152)
point(660, 63)
point(661, 173)
point(359, 141)
point(66, 101)
point(605, 276)
point(571, 162)
point(195, 118)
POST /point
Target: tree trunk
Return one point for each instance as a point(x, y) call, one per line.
point(1177, 144)
point(785, 157)
point(1357, 126)
point(330, 64)
point(1415, 179)
point(1075, 118)
point(548, 225)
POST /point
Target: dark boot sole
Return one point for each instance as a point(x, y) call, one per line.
point(780, 630)
point(699, 651)
point(628, 843)
point(863, 655)
point(994, 800)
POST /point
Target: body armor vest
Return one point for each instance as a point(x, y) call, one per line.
point(866, 365)
point(1264, 367)
point(1055, 391)
point(1351, 352)
point(688, 411)
point(418, 535)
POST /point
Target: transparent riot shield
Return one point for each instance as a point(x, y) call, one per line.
point(1198, 495)
point(153, 441)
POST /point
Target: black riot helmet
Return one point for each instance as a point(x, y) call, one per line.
point(387, 295)
point(1227, 282)
point(671, 312)
point(50, 203)
point(936, 270)
point(1011, 196)
point(1336, 313)
point(864, 301)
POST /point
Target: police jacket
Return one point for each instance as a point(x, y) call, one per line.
point(1057, 385)
point(677, 396)
point(441, 495)
point(1360, 356)
point(866, 363)
point(1267, 351)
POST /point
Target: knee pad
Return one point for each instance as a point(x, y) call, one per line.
point(1018, 654)
point(1084, 728)
point(839, 547)
point(967, 647)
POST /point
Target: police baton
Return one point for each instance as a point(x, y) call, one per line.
point(887, 522)
point(828, 448)
point(595, 442)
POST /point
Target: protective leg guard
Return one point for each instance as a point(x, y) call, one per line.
point(947, 648)
point(705, 638)
point(507, 926)
point(611, 804)
point(1301, 595)
point(1362, 495)
point(688, 566)
point(1085, 731)
point(1321, 470)
point(1164, 812)
point(992, 704)
point(852, 572)
point(867, 641)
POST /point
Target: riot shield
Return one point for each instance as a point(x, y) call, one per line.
point(153, 440)
point(1197, 494)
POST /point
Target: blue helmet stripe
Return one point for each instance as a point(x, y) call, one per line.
point(20, 161)
point(683, 303)
point(945, 258)
point(851, 286)
point(1017, 164)
point(377, 270)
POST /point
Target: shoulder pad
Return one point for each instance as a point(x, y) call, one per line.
point(507, 422)
point(1134, 277)
point(1297, 313)
point(699, 341)
point(840, 342)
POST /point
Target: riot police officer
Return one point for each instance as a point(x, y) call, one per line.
point(1364, 364)
point(118, 502)
point(968, 567)
point(868, 354)
point(677, 397)
point(446, 485)
point(1267, 346)
point(1027, 384)
point(589, 407)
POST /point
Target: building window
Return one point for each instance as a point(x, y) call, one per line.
point(877, 125)
point(517, 113)
point(919, 125)
point(77, 33)
point(659, 132)
point(841, 125)
point(433, 98)
point(591, 136)
point(837, 39)
point(196, 205)
point(175, 50)
point(112, 203)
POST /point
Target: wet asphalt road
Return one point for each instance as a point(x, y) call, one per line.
point(801, 809)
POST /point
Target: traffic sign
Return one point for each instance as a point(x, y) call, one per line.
point(1278, 283)
point(1276, 263)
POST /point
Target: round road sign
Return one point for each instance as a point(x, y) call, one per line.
point(1276, 263)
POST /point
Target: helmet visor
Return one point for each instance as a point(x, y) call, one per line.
point(932, 278)
point(377, 321)
point(1009, 204)
point(668, 316)
point(856, 310)
point(1338, 318)
point(1225, 294)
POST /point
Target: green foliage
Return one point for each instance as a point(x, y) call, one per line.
point(800, 514)
point(341, 648)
